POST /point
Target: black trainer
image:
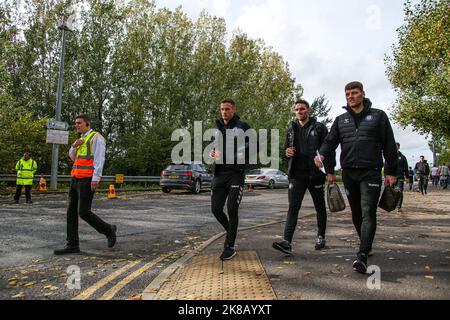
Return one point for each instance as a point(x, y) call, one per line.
point(228, 253)
point(360, 263)
point(320, 243)
point(67, 250)
point(283, 246)
point(112, 238)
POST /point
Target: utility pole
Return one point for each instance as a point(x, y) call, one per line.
point(55, 151)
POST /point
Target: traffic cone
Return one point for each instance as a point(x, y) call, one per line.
point(42, 184)
point(112, 192)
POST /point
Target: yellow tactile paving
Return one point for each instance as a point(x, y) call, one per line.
point(208, 278)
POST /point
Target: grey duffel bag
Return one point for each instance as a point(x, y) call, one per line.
point(335, 200)
point(389, 199)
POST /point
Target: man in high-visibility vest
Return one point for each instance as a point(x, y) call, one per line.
point(25, 167)
point(88, 154)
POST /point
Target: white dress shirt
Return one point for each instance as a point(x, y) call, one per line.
point(98, 149)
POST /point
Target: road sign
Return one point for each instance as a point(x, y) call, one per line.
point(57, 137)
point(120, 178)
point(57, 125)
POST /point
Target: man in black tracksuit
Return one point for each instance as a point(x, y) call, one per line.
point(365, 135)
point(401, 174)
point(229, 176)
point(422, 170)
point(303, 140)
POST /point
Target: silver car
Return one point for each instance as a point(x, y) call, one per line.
point(269, 178)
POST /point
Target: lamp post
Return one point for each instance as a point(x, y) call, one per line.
point(64, 27)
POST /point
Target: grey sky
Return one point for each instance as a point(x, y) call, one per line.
point(327, 44)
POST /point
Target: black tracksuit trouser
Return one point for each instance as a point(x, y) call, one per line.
point(228, 186)
point(80, 202)
point(19, 192)
point(363, 188)
point(297, 190)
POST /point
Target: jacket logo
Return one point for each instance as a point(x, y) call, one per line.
point(313, 133)
point(347, 121)
point(369, 118)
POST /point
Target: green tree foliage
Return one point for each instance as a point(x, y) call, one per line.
point(442, 148)
point(138, 71)
point(419, 68)
point(320, 110)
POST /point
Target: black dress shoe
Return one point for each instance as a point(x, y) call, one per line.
point(112, 237)
point(67, 250)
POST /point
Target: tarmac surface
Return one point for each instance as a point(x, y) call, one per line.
point(161, 235)
point(411, 254)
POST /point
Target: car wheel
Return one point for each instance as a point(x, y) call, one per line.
point(166, 189)
point(196, 187)
point(271, 185)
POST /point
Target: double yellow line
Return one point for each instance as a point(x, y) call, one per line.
point(119, 286)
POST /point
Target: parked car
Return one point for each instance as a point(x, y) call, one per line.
point(193, 177)
point(269, 178)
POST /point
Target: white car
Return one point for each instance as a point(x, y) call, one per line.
point(269, 178)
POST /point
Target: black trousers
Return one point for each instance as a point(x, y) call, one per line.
point(401, 186)
point(19, 192)
point(80, 202)
point(363, 188)
point(228, 186)
point(297, 190)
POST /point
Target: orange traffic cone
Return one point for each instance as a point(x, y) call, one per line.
point(112, 192)
point(42, 184)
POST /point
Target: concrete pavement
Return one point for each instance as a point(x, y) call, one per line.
point(411, 257)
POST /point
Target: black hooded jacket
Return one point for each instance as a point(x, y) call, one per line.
point(307, 142)
point(225, 168)
point(365, 138)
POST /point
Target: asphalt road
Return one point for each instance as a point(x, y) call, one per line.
point(152, 228)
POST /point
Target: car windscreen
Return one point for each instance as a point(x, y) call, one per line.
point(179, 167)
point(255, 172)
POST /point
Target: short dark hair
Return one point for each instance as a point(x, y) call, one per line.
point(230, 101)
point(301, 101)
point(397, 144)
point(354, 85)
point(85, 118)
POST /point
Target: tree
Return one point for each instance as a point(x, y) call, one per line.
point(320, 110)
point(140, 72)
point(442, 149)
point(419, 68)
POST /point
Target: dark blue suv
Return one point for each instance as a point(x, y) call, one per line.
point(193, 177)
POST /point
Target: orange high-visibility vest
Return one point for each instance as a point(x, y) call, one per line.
point(83, 167)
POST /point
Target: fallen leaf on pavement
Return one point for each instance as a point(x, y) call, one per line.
point(429, 277)
point(307, 274)
point(20, 295)
point(29, 284)
point(136, 297)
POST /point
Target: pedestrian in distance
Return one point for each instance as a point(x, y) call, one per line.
point(422, 170)
point(88, 155)
point(444, 174)
point(25, 167)
point(435, 175)
point(304, 138)
point(365, 135)
point(229, 174)
point(402, 177)
point(411, 178)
